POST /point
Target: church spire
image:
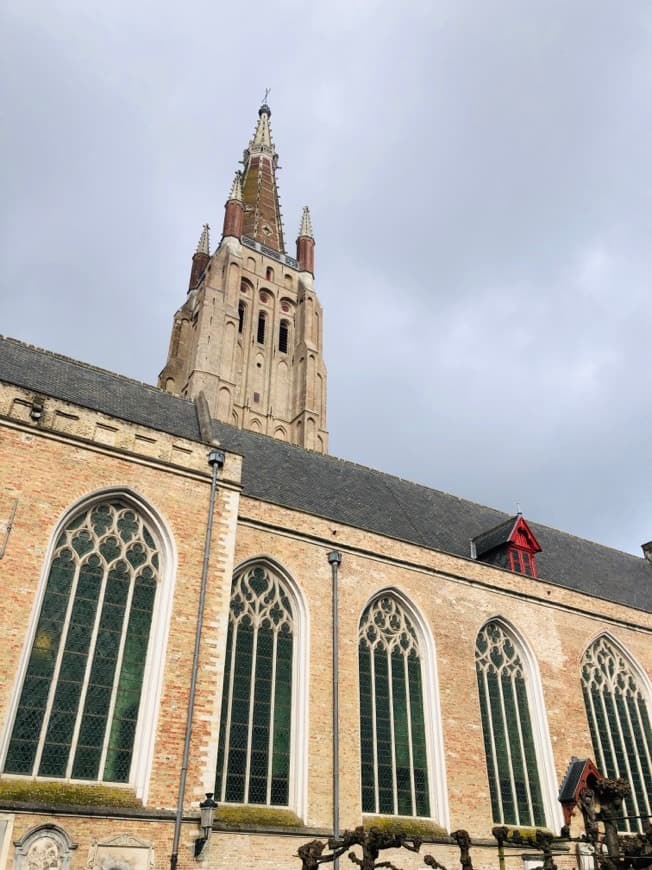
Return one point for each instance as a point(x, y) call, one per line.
point(262, 212)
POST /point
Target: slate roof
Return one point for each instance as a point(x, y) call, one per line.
point(329, 487)
point(493, 538)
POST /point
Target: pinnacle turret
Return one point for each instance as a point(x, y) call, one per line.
point(203, 245)
point(306, 224)
point(306, 243)
point(236, 188)
point(201, 258)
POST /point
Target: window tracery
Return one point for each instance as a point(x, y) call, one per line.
point(392, 727)
point(619, 721)
point(79, 703)
point(511, 755)
point(256, 724)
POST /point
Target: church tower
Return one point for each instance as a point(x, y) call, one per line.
point(249, 335)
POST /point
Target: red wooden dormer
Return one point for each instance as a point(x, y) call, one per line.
point(511, 545)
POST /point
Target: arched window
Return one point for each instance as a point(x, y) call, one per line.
point(241, 316)
point(283, 332)
point(269, 273)
point(509, 739)
point(260, 335)
point(616, 702)
point(392, 727)
point(79, 704)
point(253, 763)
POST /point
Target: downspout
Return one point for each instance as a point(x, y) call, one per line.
point(335, 559)
point(216, 461)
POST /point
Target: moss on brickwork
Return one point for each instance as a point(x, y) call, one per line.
point(254, 815)
point(412, 827)
point(63, 793)
point(527, 836)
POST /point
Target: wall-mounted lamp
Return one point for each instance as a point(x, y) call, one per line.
point(207, 809)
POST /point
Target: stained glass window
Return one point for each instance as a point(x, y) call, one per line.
point(80, 699)
point(514, 782)
point(392, 727)
point(253, 764)
point(619, 721)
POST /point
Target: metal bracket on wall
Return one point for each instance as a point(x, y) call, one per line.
point(8, 528)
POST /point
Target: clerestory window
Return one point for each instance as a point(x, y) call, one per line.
point(509, 740)
point(617, 708)
point(80, 700)
point(256, 726)
point(392, 727)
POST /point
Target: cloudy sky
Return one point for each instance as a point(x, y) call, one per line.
point(479, 176)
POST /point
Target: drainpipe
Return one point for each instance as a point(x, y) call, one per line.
point(216, 461)
point(335, 560)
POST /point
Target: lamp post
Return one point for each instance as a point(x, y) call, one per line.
point(207, 816)
point(335, 560)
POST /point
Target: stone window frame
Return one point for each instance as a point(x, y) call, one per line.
point(538, 720)
point(145, 733)
point(630, 677)
point(435, 756)
point(298, 772)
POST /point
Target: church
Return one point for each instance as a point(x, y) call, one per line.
point(201, 606)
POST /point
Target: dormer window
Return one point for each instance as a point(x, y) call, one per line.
point(522, 562)
point(510, 545)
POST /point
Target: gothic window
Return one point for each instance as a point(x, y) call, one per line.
point(241, 316)
point(392, 726)
point(283, 332)
point(260, 335)
point(619, 719)
point(510, 746)
point(253, 764)
point(79, 703)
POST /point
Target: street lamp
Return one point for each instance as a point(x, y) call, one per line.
point(207, 810)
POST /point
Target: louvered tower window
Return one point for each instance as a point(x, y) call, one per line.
point(79, 703)
point(283, 332)
point(241, 316)
point(392, 728)
point(619, 720)
point(253, 764)
point(260, 333)
point(514, 781)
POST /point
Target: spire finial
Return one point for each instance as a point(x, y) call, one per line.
point(263, 106)
point(306, 224)
point(203, 246)
point(236, 187)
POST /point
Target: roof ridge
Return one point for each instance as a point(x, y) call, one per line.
point(91, 367)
